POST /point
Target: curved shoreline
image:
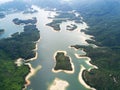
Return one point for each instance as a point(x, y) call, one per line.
point(66, 71)
point(73, 48)
point(32, 70)
point(87, 61)
point(77, 56)
point(81, 79)
point(19, 62)
point(77, 49)
point(36, 54)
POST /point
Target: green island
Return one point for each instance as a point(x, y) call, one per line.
point(71, 27)
point(19, 45)
point(62, 62)
point(29, 21)
point(55, 24)
point(2, 30)
point(63, 17)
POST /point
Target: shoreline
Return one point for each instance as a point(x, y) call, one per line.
point(36, 53)
point(55, 31)
point(19, 62)
point(32, 70)
point(66, 71)
point(32, 59)
point(80, 79)
point(73, 48)
point(87, 61)
point(78, 57)
point(32, 73)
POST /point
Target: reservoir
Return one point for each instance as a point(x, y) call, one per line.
point(50, 42)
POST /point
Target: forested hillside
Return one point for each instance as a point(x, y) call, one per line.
point(103, 19)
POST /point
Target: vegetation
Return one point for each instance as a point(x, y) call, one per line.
point(62, 62)
point(103, 19)
point(55, 24)
point(19, 45)
point(71, 27)
point(63, 17)
point(29, 21)
point(68, 16)
point(1, 31)
point(11, 76)
point(108, 63)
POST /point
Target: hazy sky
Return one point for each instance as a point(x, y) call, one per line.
point(3, 1)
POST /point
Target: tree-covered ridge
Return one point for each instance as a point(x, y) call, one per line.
point(107, 76)
point(19, 45)
point(11, 76)
point(103, 19)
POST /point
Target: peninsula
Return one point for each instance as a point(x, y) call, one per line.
point(19, 45)
point(55, 24)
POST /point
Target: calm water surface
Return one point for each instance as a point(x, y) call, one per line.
point(51, 42)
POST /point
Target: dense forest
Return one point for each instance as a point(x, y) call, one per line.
point(19, 45)
point(103, 19)
point(62, 62)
